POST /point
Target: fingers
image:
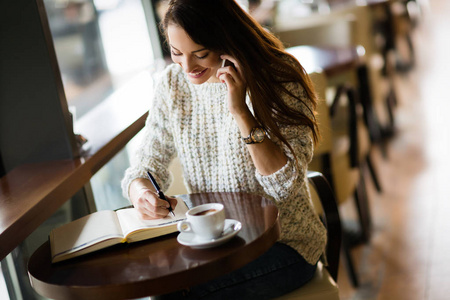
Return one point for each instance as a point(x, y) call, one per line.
point(230, 73)
point(173, 202)
point(227, 74)
point(150, 206)
point(227, 79)
point(231, 59)
point(232, 79)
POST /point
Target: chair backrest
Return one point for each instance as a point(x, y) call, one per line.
point(323, 115)
point(323, 193)
point(336, 156)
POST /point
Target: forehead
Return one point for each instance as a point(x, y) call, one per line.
point(178, 38)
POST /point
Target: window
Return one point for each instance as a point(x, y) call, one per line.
point(100, 45)
point(103, 46)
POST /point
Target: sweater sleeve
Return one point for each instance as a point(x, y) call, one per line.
point(289, 180)
point(156, 149)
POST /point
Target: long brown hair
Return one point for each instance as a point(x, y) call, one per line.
point(222, 26)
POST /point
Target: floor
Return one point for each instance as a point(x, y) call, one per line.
point(407, 257)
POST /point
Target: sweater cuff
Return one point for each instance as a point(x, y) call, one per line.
point(279, 184)
point(132, 174)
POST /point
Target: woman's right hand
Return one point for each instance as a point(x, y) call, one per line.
point(233, 77)
point(146, 201)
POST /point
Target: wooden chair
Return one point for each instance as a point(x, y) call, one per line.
point(324, 283)
point(341, 157)
point(354, 25)
point(375, 33)
point(344, 150)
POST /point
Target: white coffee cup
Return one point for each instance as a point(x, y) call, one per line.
point(206, 221)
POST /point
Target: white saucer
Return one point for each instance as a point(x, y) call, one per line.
point(232, 227)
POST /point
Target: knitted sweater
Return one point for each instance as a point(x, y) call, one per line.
point(193, 122)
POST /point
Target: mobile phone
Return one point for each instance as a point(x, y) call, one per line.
point(226, 62)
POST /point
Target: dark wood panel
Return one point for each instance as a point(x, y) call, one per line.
point(35, 123)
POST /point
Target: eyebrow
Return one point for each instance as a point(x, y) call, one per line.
point(192, 51)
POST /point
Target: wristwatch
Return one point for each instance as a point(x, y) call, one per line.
point(256, 136)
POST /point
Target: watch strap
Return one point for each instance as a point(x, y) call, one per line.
point(248, 140)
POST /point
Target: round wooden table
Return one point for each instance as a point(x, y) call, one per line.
point(159, 265)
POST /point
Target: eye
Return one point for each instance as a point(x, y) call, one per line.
point(202, 57)
point(176, 54)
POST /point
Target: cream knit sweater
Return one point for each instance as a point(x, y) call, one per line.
point(193, 122)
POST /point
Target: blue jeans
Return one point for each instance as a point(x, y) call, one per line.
point(277, 272)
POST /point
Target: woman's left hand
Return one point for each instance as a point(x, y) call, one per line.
point(233, 77)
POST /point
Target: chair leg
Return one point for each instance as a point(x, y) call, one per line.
point(349, 261)
point(351, 236)
point(373, 173)
point(373, 124)
point(362, 206)
point(391, 103)
point(388, 130)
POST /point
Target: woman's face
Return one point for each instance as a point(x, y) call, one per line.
point(199, 63)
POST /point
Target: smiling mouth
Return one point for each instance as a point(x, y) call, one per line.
point(197, 75)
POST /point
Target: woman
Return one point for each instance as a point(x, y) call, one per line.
point(248, 126)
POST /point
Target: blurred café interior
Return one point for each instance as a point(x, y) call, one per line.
point(76, 76)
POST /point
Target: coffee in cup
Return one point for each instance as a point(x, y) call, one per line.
point(206, 221)
point(205, 212)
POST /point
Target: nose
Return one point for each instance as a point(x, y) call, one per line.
point(187, 64)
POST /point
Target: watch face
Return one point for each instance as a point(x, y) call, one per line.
point(258, 135)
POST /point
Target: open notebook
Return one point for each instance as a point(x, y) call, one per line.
point(106, 228)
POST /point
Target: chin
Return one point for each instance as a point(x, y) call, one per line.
point(197, 80)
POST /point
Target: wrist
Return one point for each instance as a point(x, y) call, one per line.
point(241, 112)
point(245, 121)
point(138, 187)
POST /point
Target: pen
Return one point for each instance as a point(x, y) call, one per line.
point(160, 193)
